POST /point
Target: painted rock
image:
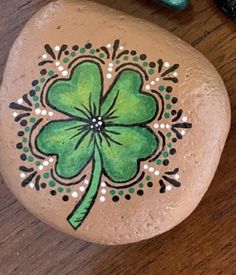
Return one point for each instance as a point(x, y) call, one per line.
point(112, 128)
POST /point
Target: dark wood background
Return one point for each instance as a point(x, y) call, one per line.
point(205, 243)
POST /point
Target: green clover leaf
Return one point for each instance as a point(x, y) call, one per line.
point(110, 131)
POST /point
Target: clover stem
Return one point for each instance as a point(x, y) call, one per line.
point(82, 209)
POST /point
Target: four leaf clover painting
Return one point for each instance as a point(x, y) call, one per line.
point(105, 129)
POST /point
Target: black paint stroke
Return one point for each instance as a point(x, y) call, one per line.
point(170, 70)
point(160, 65)
point(26, 181)
point(45, 62)
point(175, 183)
point(26, 99)
point(162, 103)
point(106, 51)
point(184, 125)
point(25, 169)
point(37, 187)
point(163, 186)
point(62, 49)
point(178, 115)
point(16, 106)
point(115, 48)
point(135, 65)
point(127, 186)
point(30, 137)
point(175, 171)
point(125, 52)
point(178, 135)
point(66, 184)
point(50, 51)
point(173, 79)
point(43, 89)
point(162, 148)
point(19, 117)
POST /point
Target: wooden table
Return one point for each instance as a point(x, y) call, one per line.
point(205, 243)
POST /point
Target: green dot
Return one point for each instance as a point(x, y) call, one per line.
point(121, 193)
point(92, 51)
point(161, 88)
point(24, 140)
point(36, 105)
point(117, 61)
point(168, 134)
point(165, 155)
point(73, 54)
point(26, 149)
point(112, 192)
point(101, 55)
point(151, 71)
point(51, 183)
point(167, 97)
point(60, 189)
point(167, 115)
point(35, 98)
point(82, 50)
point(32, 119)
point(68, 190)
point(169, 145)
point(37, 163)
point(37, 89)
point(46, 175)
point(158, 162)
point(126, 57)
point(131, 190)
point(145, 64)
point(51, 73)
point(168, 106)
point(27, 129)
point(135, 58)
point(66, 60)
point(148, 178)
point(140, 185)
point(30, 158)
point(42, 80)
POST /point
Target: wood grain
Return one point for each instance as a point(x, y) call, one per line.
point(205, 243)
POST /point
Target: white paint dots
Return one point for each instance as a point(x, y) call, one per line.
point(57, 63)
point(51, 160)
point(177, 176)
point(82, 189)
point(183, 132)
point(110, 65)
point(162, 126)
point(175, 73)
point(22, 175)
point(103, 191)
point(121, 48)
point(102, 199)
point(45, 163)
point(40, 167)
point(44, 112)
point(168, 187)
point(65, 73)
point(167, 126)
point(145, 166)
point(31, 185)
point(151, 169)
point(167, 64)
point(109, 76)
point(103, 184)
point(14, 114)
point(50, 113)
point(86, 182)
point(110, 69)
point(74, 194)
point(157, 79)
point(20, 101)
point(61, 68)
point(156, 125)
point(147, 87)
point(156, 173)
point(57, 48)
point(45, 56)
point(37, 111)
point(184, 119)
point(108, 46)
point(153, 82)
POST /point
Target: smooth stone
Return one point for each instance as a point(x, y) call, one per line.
point(102, 160)
point(174, 4)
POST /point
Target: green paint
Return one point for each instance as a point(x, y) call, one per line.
point(66, 60)
point(151, 71)
point(168, 106)
point(118, 62)
point(131, 190)
point(135, 58)
point(73, 54)
point(165, 155)
point(35, 98)
point(25, 149)
point(169, 145)
point(148, 178)
point(60, 189)
point(112, 192)
point(101, 55)
point(168, 134)
point(158, 162)
point(36, 105)
point(37, 163)
point(161, 88)
point(30, 159)
point(92, 51)
point(121, 193)
point(51, 73)
point(167, 97)
point(140, 185)
point(145, 64)
point(51, 183)
point(126, 57)
point(42, 80)
point(167, 115)
point(37, 88)
point(27, 129)
point(46, 175)
point(68, 190)
point(82, 50)
point(32, 119)
point(24, 140)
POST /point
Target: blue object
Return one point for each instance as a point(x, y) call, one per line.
point(174, 4)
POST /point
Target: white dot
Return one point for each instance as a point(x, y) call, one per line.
point(61, 68)
point(103, 184)
point(74, 194)
point(184, 119)
point(20, 101)
point(45, 163)
point(37, 111)
point(57, 63)
point(108, 45)
point(121, 48)
point(162, 126)
point(64, 73)
point(110, 69)
point(175, 73)
point(156, 173)
point(96, 125)
point(57, 48)
point(44, 56)
point(177, 176)
point(182, 132)
point(110, 65)
point(51, 160)
point(31, 185)
point(109, 76)
point(40, 167)
point(103, 191)
point(167, 126)
point(91, 126)
point(157, 79)
point(22, 175)
point(15, 114)
point(153, 83)
point(81, 189)
point(99, 123)
point(151, 169)
point(168, 187)
point(50, 113)
point(156, 125)
point(167, 64)
point(94, 120)
point(99, 118)
point(145, 166)
point(86, 182)
point(148, 87)
point(102, 198)
point(44, 112)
